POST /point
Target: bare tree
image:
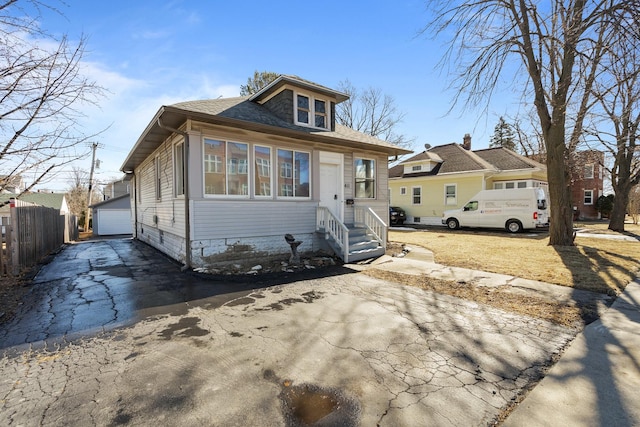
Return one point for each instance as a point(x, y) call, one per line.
point(616, 129)
point(559, 45)
point(372, 112)
point(42, 94)
point(77, 193)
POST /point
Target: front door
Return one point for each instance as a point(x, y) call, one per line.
point(331, 188)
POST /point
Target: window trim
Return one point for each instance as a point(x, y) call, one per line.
point(293, 174)
point(256, 175)
point(455, 194)
point(178, 170)
point(312, 110)
point(592, 175)
point(413, 195)
point(157, 177)
point(374, 179)
point(225, 171)
point(403, 191)
point(584, 197)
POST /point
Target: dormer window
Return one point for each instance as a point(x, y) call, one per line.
point(311, 111)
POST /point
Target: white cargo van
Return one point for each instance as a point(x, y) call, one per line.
point(514, 209)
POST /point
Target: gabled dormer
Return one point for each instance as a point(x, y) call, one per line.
point(301, 102)
point(422, 163)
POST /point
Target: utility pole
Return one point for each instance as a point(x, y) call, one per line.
point(93, 162)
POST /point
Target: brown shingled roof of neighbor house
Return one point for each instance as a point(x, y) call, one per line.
point(455, 158)
point(504, 159)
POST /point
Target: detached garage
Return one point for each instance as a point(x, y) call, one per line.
point(112, 216)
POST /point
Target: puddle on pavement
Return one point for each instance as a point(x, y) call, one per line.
point(312, 405)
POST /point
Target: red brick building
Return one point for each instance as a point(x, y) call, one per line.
point(587, 183)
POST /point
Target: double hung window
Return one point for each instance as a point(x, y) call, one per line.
point(450, 198)
point(588, 197)
point(365, 172)
point(416, 193)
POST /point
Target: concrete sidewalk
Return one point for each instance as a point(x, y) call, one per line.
point(596, 382)
point(597, 379)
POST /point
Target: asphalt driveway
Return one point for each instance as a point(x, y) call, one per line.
point(132, 341)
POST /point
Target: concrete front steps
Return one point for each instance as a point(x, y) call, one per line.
point(362, 245)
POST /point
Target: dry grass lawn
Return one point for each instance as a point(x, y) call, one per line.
point(594, 264)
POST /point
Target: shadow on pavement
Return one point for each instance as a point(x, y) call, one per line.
point(98, 285)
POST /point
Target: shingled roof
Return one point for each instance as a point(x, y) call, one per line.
point(49, 200)
point(504, 159)
point(457, 159)
point(244, 113)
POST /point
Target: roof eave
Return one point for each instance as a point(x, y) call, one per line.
point(284, 79)
point(175, 117)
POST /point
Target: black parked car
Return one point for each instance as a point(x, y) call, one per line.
point(396, 215)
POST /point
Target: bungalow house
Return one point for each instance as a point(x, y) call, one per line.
point(447, 176)
point(224, 180)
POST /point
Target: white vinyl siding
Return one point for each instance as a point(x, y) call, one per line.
point(166, 214)
point(243, 219)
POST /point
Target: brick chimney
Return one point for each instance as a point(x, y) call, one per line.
point(466, 142)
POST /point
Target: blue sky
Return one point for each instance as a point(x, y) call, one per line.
point(150, 53)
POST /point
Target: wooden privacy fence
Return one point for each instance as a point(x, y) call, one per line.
point(32, 232)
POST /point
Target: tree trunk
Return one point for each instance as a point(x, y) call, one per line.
point(618, 213)
point(621, 188)
point(561, 217)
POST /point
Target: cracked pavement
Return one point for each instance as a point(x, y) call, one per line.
point(129, 340)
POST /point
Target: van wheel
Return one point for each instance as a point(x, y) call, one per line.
point(453, 224)
point(514, 226)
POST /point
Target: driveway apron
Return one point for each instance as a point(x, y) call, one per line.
point(341, 348)
point(102, 284)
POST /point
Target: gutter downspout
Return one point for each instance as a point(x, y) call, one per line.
point(135, 206)
point(185, 179)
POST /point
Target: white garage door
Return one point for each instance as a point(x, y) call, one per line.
point(114, 221)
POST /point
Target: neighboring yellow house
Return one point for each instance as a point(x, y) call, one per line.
point(448, 176)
